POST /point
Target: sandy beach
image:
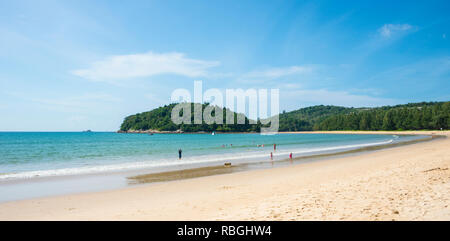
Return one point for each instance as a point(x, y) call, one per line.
point(410, 182)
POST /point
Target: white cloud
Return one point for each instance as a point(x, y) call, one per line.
point(272, 73)
point(77, 103)
point(289, 86)
point(81, 101)
point(432, 70)
point(144, 65)
point(389, 29)
point(156, 99)
point(308, 97)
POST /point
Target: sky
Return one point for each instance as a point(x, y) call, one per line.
point(87, 64)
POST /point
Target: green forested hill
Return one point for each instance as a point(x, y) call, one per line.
point(160, 119)
point(413, 116)
point(304, 119)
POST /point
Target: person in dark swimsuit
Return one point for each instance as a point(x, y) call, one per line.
point(179, 153)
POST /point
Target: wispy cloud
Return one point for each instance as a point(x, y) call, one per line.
point(145, 65)
point(273, 73)
point(389, 30)
point(72, 104)
point(155, 99)
point(307, 97)
point(77, 102)
point(427, 69)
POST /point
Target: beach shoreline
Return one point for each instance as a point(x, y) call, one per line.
point(247, 195)
point(181, 174)
point(41, 184)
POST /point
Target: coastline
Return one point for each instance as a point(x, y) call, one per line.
point(404, 132)
point(419, 132)
point(34, 185)
point(314, 190)
point(188, 173)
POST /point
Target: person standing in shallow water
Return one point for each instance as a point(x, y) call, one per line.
point(179, 153)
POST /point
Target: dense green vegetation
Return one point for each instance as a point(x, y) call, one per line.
point(304, 119)
point(160, 119)
point(415, 116)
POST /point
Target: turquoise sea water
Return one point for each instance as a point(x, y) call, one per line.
point(25, 155)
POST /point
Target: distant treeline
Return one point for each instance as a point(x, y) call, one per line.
point(414, 116)
point(417, 116)
point(305, 119)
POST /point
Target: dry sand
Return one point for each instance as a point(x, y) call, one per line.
point(402, 183)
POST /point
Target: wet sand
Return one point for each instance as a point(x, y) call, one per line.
point(222, 169)
point(409, 182)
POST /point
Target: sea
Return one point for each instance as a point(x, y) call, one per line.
point(34, 164)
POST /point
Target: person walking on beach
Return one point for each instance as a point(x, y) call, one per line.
point(179, 153)
point(290, 156)
point(271, 156)
point(274, 147)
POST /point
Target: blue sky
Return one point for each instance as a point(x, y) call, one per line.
point(75, 65)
